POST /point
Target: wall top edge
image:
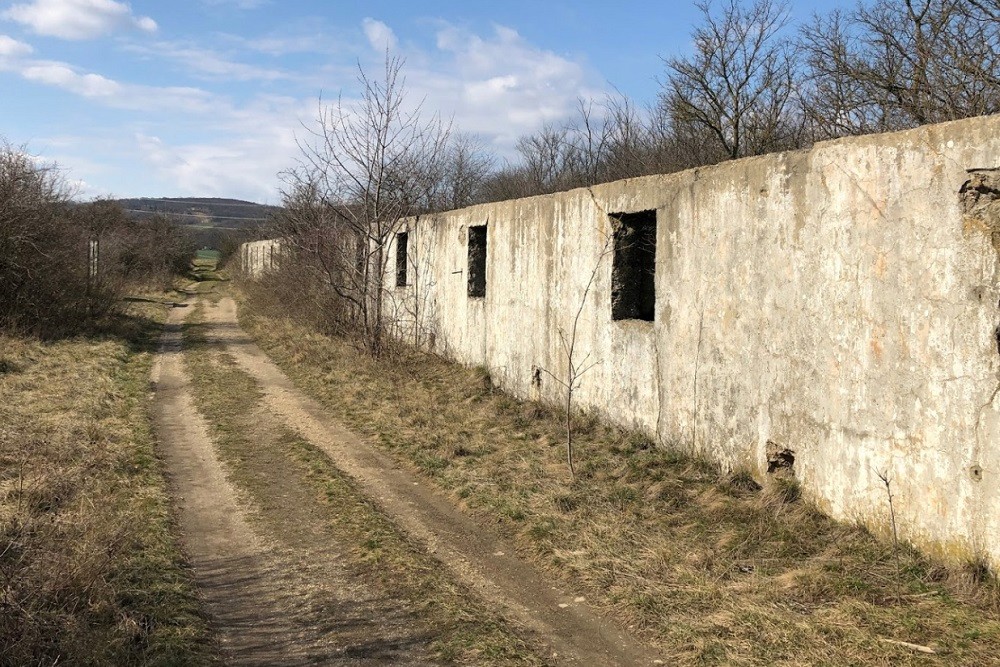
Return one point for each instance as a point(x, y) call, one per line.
point(859, 142)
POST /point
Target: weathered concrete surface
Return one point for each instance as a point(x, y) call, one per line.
point(257, 257)
point(838, 302)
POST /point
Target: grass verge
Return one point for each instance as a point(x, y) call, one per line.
point(90, 572)
point(305, 502)
point(711, 569)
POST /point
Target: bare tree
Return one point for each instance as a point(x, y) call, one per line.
point(607, 140)
point(631, 144)
point(587, 142)
point(367, 164)
point(898, 64)
point(752, 87)
point(549, 159)
point(510, 181)
point(467, 165)
point(323, 249)
point(739, 83)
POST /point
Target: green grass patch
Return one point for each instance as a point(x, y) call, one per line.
point(206, 255)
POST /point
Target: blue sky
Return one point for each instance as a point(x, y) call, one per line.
point(207, 97)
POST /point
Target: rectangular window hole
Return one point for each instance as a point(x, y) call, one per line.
point(633, 274)
point(360, 254)
point(402, 240)
point(477, 261)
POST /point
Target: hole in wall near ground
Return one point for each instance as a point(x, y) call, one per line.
point(779, 458)
point(980, 194)
point(976, 472)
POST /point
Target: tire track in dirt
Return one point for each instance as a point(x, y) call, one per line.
point(574, 631)
point(269, 605)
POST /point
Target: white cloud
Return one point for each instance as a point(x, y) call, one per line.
point(251, 142)
point(11, 48)
point(238, 4)
point(62, 76)
point(498, 85)
point(380, 36)
point(208, 63)
point(193, 141)
point(111, 93)
point(77, 19)
point(492, 88)
point(182, 99)
point(240, 154)
point(281, 46)
point(235, 166)
point(298, 35)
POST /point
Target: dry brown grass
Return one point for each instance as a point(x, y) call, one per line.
point(89, 569)
point(272, 465)
point(703, 565)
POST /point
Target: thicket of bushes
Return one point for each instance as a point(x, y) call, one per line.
point(50, 283)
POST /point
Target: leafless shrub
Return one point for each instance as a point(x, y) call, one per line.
point(604, 140)
point(64, 264)
point(150, 251)
point(467, 165)
point(43, 258)
point(297, 289)
point(576, 366)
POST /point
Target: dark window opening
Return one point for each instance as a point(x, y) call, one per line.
point(633, 284)
point(401, 242)
point(477, 261)
point(360, 254)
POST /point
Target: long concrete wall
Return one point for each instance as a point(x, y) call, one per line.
point(258, 257)
point(840, 302)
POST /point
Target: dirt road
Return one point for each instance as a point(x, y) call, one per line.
point(267, 606)
point(272, 594)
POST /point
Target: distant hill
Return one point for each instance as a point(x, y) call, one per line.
point(211, 222)
point(202, 212)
